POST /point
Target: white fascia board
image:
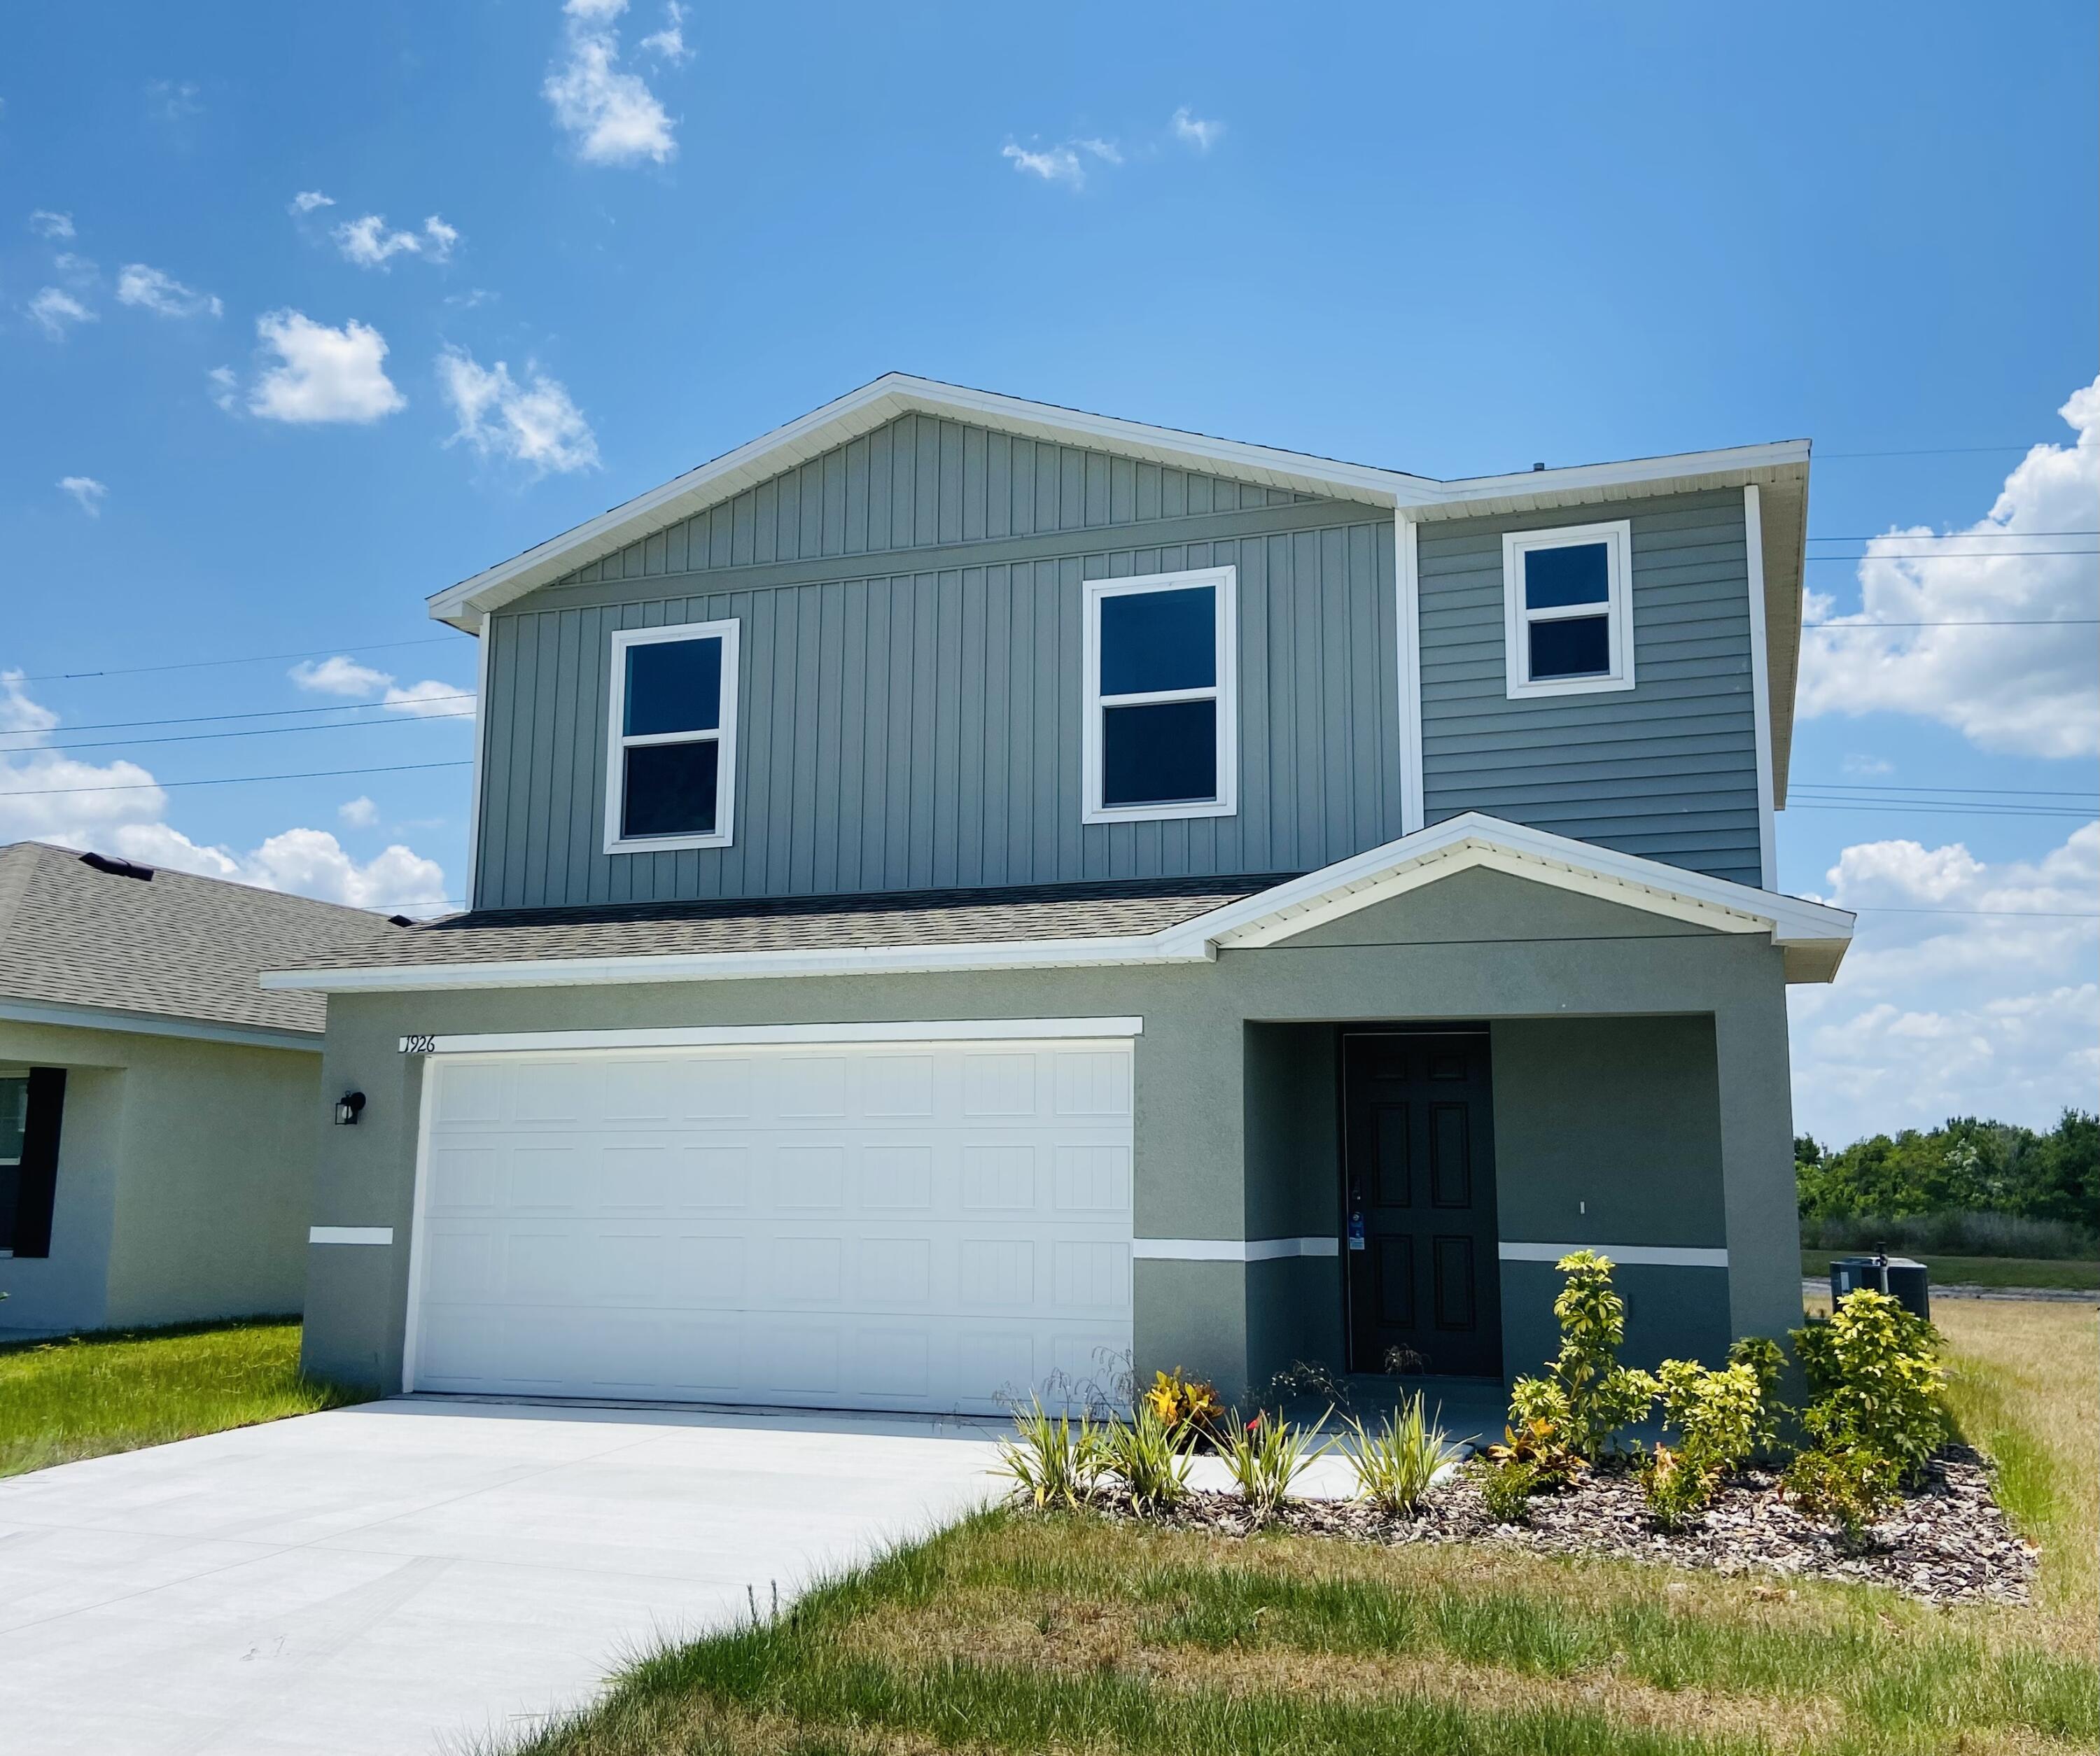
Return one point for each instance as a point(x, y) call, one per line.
point(157, 1024)
point(862, 410)
point(741, 1036)
point(719, 966)
point(1474, 839)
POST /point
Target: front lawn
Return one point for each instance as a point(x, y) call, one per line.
point(2069, 1273)
point(86, 1395)
point(1019, 1632)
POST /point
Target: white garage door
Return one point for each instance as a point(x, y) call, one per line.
point(890, 1225)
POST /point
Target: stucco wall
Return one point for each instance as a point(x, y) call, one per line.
point(1478, 944)
point(185, 1169)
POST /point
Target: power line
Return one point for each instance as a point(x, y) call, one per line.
point(1942, 810)
point(253, 658)
point(252, 731)
point(2022, 792)
point(1974, 554)
point(2034, 621)
point(1965, 537)
point(258, 713)
point(1993, 914)
point(1930, 450)
point(229, 780)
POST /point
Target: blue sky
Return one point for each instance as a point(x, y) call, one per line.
point(565, 254)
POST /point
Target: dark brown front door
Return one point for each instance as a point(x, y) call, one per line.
point(1418, 1204)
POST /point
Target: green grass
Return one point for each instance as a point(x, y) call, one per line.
point(1022, 1632)
point(116, 1390)
point(1979, 1271)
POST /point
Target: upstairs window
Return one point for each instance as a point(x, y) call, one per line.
point(671, 766)
point(1162, 732)
point(1568, 609)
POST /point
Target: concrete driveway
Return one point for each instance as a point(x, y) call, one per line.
point(414, 1574)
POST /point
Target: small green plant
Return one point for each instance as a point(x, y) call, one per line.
point(1184, 1403)
point(1266, 1455)
point(1053, 1460)
point(1766, 1361)
point(1151, 1457)
point(1586, 1393)
point(1676, 1484)
point(1874, 1371)
point(1850, 1486)
point(1396, 1465)
point(1720, 1417)
point(1536, 1445)
point(1506, 1489)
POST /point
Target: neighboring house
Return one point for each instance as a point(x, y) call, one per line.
point(159, 1112)
point(963, 890)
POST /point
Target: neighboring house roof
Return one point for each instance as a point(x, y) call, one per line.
point(1778, 469)
point(1137, 922)
point(83, 944)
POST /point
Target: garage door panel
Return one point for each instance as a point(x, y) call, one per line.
point(926, 1227)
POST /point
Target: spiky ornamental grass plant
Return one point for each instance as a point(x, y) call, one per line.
point(1397, 1465)
point(1266, 1455)
point(1052, 1459)
point(1151, 1457)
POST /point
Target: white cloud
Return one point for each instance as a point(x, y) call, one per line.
point(536, 424)
point(2027, 691)
point(343, 675)
point(668, 43)
point(162, 293)
point(172, 100)
point(225, 387)
point(611, 116)
point(125, 815)
point(1861, 766)
point(308, 200)
point(1972, 988)
point(359, 812)
point(1193, 130)
point(57, 311)
point(47, 224)
point(1064, 163)
point(368, 243)
point(88, 491)
point(322, 374)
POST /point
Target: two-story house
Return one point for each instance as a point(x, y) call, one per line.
point(963, 890)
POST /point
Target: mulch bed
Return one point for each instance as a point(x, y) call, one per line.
point(1946, 1543)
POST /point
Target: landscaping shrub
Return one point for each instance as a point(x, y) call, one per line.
point(1151, 1457)
point(1506, 1489)
point(1720, 1417)
point(1266, 1455)
point(1538, 1447)
point(1184, 1403)
point(1874, 1372)
point(1766, 1361)
point(1586, 1395)
point(1396, 1465)
point(1055, 1460)
point(1676, 1484)
point(1850, 1486)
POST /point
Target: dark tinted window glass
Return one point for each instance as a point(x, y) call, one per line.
point(673, 685)
point(1552, 577)
point(1153, 640)
point(1580, 646)
point(670, 789)
point(1165, 754)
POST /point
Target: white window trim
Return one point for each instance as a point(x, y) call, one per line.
point(1225, 581)
point(1618, 539)
point(725, 736)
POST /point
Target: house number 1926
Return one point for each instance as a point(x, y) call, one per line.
point(419, 1045)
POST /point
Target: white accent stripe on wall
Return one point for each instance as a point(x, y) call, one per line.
point(1629, 1255)
point(350, 1234)
point(1232, 1249)
point(733, 1036)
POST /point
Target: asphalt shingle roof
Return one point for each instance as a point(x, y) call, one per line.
point(177, 946)
point(1110, 910)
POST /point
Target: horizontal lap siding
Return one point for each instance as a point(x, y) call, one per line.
point(1667, 770)
point(919, 725)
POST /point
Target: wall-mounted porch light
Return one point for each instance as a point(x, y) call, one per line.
point(347, 1107)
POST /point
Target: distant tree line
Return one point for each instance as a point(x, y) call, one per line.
point(1968, 1166)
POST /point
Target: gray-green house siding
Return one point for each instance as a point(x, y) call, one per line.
point(1666, 770)
point(910, 699)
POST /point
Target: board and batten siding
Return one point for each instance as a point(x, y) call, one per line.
point(1666, 770)
point(911, 720)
